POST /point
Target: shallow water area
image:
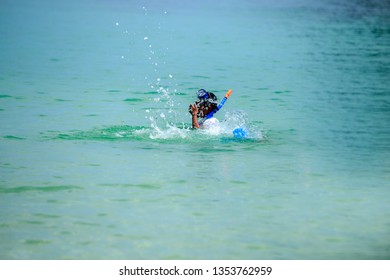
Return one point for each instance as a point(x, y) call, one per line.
point(98, 159)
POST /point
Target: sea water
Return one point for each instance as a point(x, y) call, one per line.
point(98, 159)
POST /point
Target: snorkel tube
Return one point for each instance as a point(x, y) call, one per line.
point(220, 105)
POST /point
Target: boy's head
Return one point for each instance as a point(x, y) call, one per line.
point(206, 103)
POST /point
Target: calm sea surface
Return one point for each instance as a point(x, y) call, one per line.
point(98, 161)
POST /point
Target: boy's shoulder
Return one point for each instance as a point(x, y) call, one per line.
point(210, 122)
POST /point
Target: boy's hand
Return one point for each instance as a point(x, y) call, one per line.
point(193, 109)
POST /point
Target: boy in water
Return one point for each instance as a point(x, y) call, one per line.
point(204, 108)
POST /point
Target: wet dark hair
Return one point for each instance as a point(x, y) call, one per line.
point(207, 106)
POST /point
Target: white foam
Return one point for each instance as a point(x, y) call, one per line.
point(171, 132)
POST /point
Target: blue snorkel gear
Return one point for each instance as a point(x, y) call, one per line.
point(206, 96)
point(202, 94)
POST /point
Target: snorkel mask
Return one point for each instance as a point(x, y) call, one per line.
point(204, 95)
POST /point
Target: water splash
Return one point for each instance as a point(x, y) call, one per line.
point(165, 117)
point(164, 131)
point(163, 111)
point(170, 132)
point(239, 119)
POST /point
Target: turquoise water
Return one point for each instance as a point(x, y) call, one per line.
point(98, 161)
